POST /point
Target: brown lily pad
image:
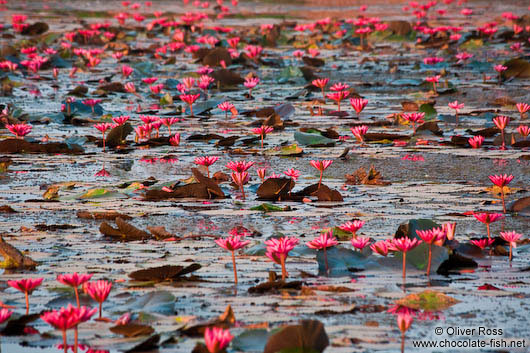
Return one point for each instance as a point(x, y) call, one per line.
point(379, 136)
point(209, 183)
point(215, 56)
point(160, 232)
point(12, 145)
point(315, 62)
point(275, 189)
point(108, 215)
point(521, 206)
point(163, 273)
point(275, 286)
point(518, 68)
point(360, 176)
point(132, 330)
point(13, 258)
point(113, 87)
point(308, 336)
point(35, 29)
point(125, 231)
point(226, 77)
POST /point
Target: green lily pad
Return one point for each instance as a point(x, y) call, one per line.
point(307, 139)
point(427, 300)
point(267, 207)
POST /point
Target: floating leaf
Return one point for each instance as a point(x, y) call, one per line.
point(267, 207)
point(308, 336)
point(132, 330)
point(427, 300)
point(312, 139)
point(430, 112)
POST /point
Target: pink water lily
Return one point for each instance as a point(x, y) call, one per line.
point(404, 245)
point(206, 161)
point(522, 108)
point(431, 236)
point(360, 242)
point(380, 247)
point(217, 339)
point(99, 291)
point(5, 314)
point(501, 181)
point(500, 69)
point(512, 238)
point(103, 127)
point(189, 99)
point(523, 130)
point(434, 80)
point(321, 83)
point(456, 106)
point(414, 118)
point(26, 285)
point(292, 173)
point(358, 104)
point(487, 219)
point(482, 243)
point(352, 227)
point(126, 71)
point(240, 178)
point(120, 120)
point(338, 96)
point(168, 122)
point(250, 83)
point(476, 141)
point(232, 243)
point(227, 107)
point(321, 166)
point(175, 140)
point(359, 132)
point(278, 250)
point(19, 130)
point(239, 166)
point(66, 319)
point(324, 241)
point(262, 131)
point(74, 280)
point(501, 122)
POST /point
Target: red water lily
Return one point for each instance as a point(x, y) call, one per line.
point(262, 131)
point(74, 280)
point(324, 241)
point(232, 243)
point(278, 250)
point(512, 238)
point(501, 181)
point(321, 166)
point(26, 285)
point(404, 245)
point(189, 99)
point(206, 161)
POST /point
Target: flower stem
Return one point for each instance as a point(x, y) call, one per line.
point(284, 271)
point(430, 259)
point(320, 180)
point(76, 339)
point(27, 302)
point(488, 229)
point(103, 142)
point(234, 265)
point(502, 198)
point(100, 308)
point(64, 342)
point(76, 296)
point(510, 252)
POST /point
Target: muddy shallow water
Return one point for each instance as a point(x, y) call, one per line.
point(444, 184)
